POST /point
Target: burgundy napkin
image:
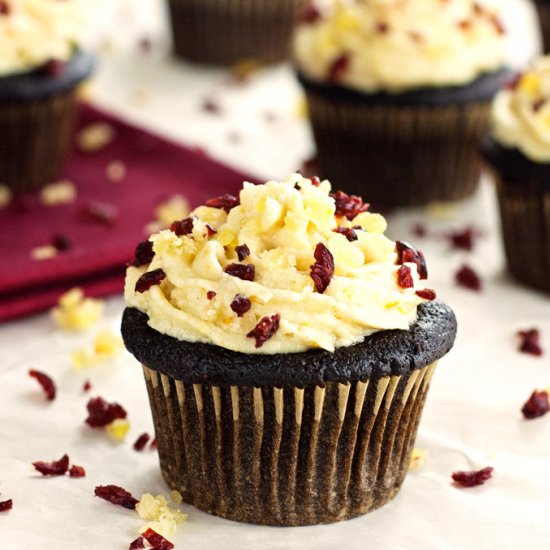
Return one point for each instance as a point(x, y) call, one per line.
point(156, 169)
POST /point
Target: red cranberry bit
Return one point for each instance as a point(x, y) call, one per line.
point(225, 202)
point(426, 294)
point(116, 495)
point(101, 212)
point(54, 68)
point(154, 444)
point(210, 294)
point(210, 230)
point(62, 243)
point(182, 227)
point(468, 278)
point(55, 468)
point(137, 544)
point(156, 540)
point(348, 232)
point(267, 326)
point(87, 386)
point(338, 67)
point(530, 341)
point(419, 230)
point(537, 405)
point(322, 270)
point(472, 479)
point(6, 505)
point(406, 253)
point(308, 14)
point(463, 239)
point(77, 471)
point(240, 305)
point(46, 382)
point(141, 442)
point(101, 413)
point(149, 279)
point(404, 277)
point(242, 252)
point(4, 8)
point(210, 105)
point(315, 181)
point(348, 205)
point(246, 272)
point(144, 254)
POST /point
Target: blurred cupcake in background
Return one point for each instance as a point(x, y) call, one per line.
point(225, 32)
point(399, 94)
point(518, 149)
point(40, 68)
point(543, 9)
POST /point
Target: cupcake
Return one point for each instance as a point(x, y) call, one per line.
point(518, 151)
point(229, 31)
point(399, 94)
point(287, 347)
point(543, 10)
point(40, 68)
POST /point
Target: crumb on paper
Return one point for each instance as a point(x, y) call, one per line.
point(76, 312)
point(162, 518)
point(105, 345)
point(5, 196)
point(441, 210)
point(176, 497)
point(115, 171)
point(118, 429)
point(418, 458)
point(57, 193)
point(245, 68)
point(95, 136)
point(45, 252)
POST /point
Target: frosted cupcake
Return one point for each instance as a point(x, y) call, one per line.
point(287, 347)
point(518, 150)
point(399, 94)
point(40, 68)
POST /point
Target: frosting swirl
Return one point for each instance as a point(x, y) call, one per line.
point(398, 45)
point(521, 114)
point(35, 31)
point(275, 235)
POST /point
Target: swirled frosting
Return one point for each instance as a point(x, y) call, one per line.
point(282, 223)
point(35, 31)
point(398, 45)
point(521, 113)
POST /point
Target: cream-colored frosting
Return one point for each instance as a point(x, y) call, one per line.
point(281, 225)
point(34, 31)
point(521, 115)
point(398, 45)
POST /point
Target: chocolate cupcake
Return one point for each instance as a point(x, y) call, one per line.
point(399, 94)
point(229, 31)
point(518, 151)
point(287, 347)
point(40, 69)
point(543, 10)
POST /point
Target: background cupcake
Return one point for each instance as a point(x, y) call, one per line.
point(287, 347)
point(399, 94)
point(518, 150)
point(40, 67)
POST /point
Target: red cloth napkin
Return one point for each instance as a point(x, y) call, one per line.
point(156, 169)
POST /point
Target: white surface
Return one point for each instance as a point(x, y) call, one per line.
point(471, 419)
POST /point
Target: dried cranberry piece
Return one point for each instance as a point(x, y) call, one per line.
point(419, 230)
point(404, 277)
point(4, 8)
point(225, 202)
point(154, 444)
point(463, 239)
point(322, 270)
point(87, 386)
point(426, 294)
point(149, 279)
point(338, 67)
point(101, 212)
point(54, 68)
point(211, 294)
point(183, 227)
point(308, 14)
point(141, 442)
point(144, 254)
point(242, 252)
point(267, 326)
point(101, 413)
point(246, 272)
point(348, 205)
point(210, 105)
point(46, 382)
point(530, 341)
point(315, 181)
point(210, 230)
point(55, 468)
point(154, 539)
point(406, 253)
point(6, 505)
point(77, 471)
point(240, 305)
point(472, 479)
point(116, 495)
point(537, 405)
point(348, 232)
point(62, 243)
point(137, 544)
point(468, 278)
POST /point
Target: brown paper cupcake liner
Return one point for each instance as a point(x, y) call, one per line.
point(287, 456)
point(399, 155)
point(543, 9)
point(34, 138)
point(224, 32)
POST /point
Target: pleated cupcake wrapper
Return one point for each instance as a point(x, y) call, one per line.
point(224, 32)
point(399, 155)
point(543, 10)
point(525, 221)
point(34, 136)
point(292, 456)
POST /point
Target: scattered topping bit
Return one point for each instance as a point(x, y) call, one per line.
point(162, 518)
point(54, 68)
point(468, 278)
point(105, 345)
point(144, 254)
point(118, 429)
point(246, 272)
point(537, 405)
point(115, 171)
point(46, 252)
point(182, 227)
point(156, 540)
point(137, 544)
point(4, 7)
point(308, 14)
point(5, 196)
point(154, 444)
point(322, 270)
point(101, 212)
point(242, 252)
point(419, 230)
point(406, 253)
point(348, 205)
point(77, 471)
point(243, 70)
point(404, 277)
point(418, 457)
point(46, 382)
point(348, 232)
point(149, 279)
point(55, 468)
point(210, 230)
point(426, 294)
point(75, 312)
point(267, 326)
point(472, 479)
point(211, 106)
point(464, 239)
point(338, 67)
point(62, 243)
point(87, 386)
point(141, 442)
point(6, 505)
point(116, 495)
point(224, 202)
point(175, 497)
point(240, 305)
point(95, 136)
point(315, 181)
point(101, 413)
point(211, 294)
point(60, 192)
point(530, 342)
